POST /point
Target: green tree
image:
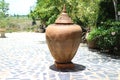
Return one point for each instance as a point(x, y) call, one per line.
point(3, 10)
point(108, 11)
point(48, 10)
point(83, 12)
point(86, 12)
point(118, 6)
point(4, 7)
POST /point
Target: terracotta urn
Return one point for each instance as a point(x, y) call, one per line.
point(63, 39)
point(2, 32)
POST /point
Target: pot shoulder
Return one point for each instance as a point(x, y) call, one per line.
point(63, 32)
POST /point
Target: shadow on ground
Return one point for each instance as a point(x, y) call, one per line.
point(77, 67)
point(111, 54)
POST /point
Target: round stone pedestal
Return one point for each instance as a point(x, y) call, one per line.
point(69, 65)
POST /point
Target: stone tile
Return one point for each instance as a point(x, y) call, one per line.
point(25, 56)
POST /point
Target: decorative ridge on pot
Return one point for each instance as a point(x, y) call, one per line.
point(63, 17)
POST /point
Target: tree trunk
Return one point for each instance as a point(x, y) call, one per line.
point(115, 7)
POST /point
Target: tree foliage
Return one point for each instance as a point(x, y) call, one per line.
point(118, 6)
point(45, 11)
point(3, 10)
point(86, 13)
point(4, 7)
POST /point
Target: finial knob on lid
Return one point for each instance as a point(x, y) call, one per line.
point(64, 9)
point(64, 18)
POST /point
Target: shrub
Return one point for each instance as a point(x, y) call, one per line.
point(93, 35)
point(3, 23)
point(106, 36)
point(109, 38)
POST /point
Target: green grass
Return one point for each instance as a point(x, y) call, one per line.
point(16, 24)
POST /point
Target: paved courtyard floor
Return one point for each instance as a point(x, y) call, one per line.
point(25, 56)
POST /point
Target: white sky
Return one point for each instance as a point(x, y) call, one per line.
point(20, 7)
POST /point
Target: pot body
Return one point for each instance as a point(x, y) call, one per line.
point(63, 41)
point(91, 44)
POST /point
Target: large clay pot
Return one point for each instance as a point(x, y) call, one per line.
point(63, 39)
point(2, 32)
point(91, 43)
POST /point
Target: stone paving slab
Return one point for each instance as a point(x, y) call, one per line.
point(25, 56)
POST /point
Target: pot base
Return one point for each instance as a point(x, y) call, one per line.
point(64, 65)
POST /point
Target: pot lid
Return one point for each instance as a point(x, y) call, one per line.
point(64, 18)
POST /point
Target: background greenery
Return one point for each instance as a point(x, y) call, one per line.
point(83, 12)
point(87, 13)
point(96, 15)
point(15, 22)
